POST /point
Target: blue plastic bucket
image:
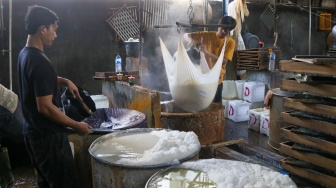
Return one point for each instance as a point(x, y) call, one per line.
point(250, 40)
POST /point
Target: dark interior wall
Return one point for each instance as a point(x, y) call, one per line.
point(293, 29)
point(86, 44)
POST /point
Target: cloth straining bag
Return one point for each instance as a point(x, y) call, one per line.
point(192, 89)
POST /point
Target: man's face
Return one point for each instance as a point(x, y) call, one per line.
point(221, 33)
point(49, 34)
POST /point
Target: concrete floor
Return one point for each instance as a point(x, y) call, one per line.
point(25, 177)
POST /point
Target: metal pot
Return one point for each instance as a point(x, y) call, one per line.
point(276, 107)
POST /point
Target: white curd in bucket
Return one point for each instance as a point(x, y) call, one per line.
point(147, 148)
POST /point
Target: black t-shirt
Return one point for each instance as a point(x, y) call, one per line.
point(37, 77)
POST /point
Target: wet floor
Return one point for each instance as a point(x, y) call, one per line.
point(24, 173)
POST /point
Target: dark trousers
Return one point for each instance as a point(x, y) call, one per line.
point(52, 158)
point(218, 96)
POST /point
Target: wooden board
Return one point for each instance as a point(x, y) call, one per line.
point(319, 109)
point(317, 61)
point(306, 68)
point(108, 74)
point(315, 159)
point(320, 178)
point(321, 126)
point(324, 90)
point(317, 143)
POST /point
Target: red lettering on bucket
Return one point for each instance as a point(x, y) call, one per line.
point(252, 116)
point(231, 111)
point(264, 123)
point(247, 91)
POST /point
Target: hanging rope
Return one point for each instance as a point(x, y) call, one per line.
point(190, 12)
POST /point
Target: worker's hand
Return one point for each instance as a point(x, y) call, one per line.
point(191, 44)
point(267, 99)
point(203, 48)
point(73, 89)
point(83, 128)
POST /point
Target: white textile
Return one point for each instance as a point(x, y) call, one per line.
point(191, 88)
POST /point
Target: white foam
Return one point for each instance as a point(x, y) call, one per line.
point(236, 174)
point(150, 148)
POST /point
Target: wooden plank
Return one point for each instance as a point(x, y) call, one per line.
point(320, 109)
point(324, 90)
point(321, 126)
point(320, 144)
point(315, 59)
point(227, 153)
point(248, 61)
point(325, 60)
point(107, 74)
point(311, 56)
point(318, 160)
point(320, 178)
point(306, 60)
point(249, 58)
point(261, 154)
point(306, 68)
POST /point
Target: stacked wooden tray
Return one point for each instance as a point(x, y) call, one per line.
point(256, 58)
point(311, 131)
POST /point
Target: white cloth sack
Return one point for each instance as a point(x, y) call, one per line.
point(191, 88)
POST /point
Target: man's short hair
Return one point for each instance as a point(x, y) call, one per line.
point(229, 21)
point(38, 16)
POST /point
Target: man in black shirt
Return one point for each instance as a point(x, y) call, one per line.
point(45, 136)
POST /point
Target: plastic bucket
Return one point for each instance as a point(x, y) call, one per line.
point(250, 40)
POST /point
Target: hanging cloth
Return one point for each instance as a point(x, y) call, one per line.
point(191, 88)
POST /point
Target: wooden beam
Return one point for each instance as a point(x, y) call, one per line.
point(324, 90)
point(307, 68)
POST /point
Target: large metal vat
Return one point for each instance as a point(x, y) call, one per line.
point(130, 119)
point(111, 173)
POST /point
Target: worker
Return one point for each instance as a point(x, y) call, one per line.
point(45, 137)
point(211, 44)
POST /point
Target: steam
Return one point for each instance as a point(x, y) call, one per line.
point(177, 12)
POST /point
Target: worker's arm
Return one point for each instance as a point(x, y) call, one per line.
point(71, 86)
point(267, 99)
point(50, 111)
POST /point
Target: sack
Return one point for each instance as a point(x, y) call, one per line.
point(194, 55)
point(74, 108)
